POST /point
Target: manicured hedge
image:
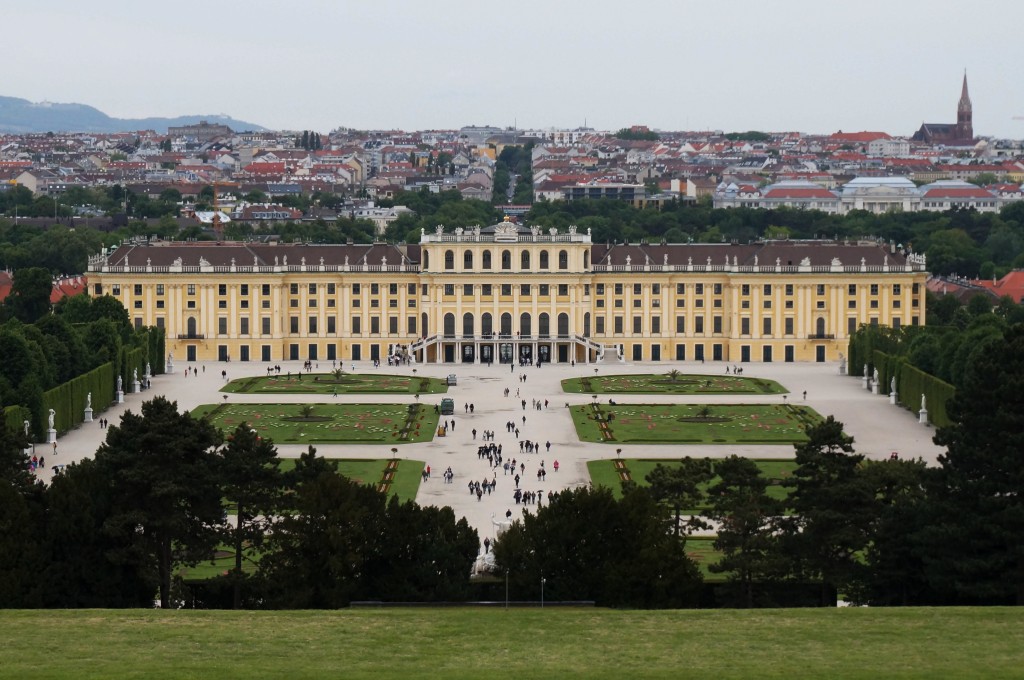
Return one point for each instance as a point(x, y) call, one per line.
point(15, 417)
point(68, 399)
point(911, 383)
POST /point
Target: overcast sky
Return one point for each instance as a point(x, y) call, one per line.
point(812, 66)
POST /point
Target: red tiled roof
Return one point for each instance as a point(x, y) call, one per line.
point(1012, 284)
point(796, 192)
point(957, 192)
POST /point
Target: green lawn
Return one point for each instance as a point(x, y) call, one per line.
point(405, 485)
point(685, 424)
point(326, 383)
point(661, 383)
point(477, 643)
point(602, 472)
point(330, 423)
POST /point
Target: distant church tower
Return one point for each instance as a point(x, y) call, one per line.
point(964, 115)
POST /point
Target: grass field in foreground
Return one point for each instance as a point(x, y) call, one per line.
point(516, 643)
point(329, 423)
point(370, 471)
point(692, 423)
point(327, 383)
point(662, 383)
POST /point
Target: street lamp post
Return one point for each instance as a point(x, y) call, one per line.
point(542, 582)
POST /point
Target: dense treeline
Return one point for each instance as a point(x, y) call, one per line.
point(43, 350)
point(113, 530)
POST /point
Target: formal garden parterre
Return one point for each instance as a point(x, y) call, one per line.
point(328, 423)
point(672, 382)
point(692, 423)
point(336, 383)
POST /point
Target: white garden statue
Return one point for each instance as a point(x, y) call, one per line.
point(52, 414)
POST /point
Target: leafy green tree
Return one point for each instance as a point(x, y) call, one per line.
point(831, 507)
point(167, 494)
point(976, 544)
point(680, 486)
point(29, 299)
point(252, 479)
point(588, 546)
point(746, 517)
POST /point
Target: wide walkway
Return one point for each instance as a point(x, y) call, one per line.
point(877, 427)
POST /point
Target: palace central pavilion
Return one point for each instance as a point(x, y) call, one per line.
point(509, 293)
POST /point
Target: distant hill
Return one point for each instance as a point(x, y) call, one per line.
point(21, 116)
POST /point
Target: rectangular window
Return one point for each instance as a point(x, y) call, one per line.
point(160, 304)
point(411, 289)
point(159, 289)
point(312, 325)
point(599, 328)
point(618, 289)
point(586, 290)
point(897, 289)
point(766, 326)
point(698, 288)
point(789, 289)
point(312, 302)
point(467, 290)
point(821, 289)
point(851, 289)
point(698, 324)
point(357, 325)
point(293, 289)
point(638, 303)
point(449, 289)
point(744, 325)
point(618, 304)
point(638, 325)
point(486, 290)
point(767, 289)
point(411, 325)
point(331, 289)
point(874, 289)
point(716, 324)
point(393, 325)
point(332, 324)
point(392, 289)
point(191, 289)
point(600, 303)
point(222, 325)
point(600, 289)
point(680, 324)
point(655, 289)
point(851, 304)
point(745, 289)
point(524, 290)
point(138, 304)
point(137, 288)
point(374, 289)
point(357, 303)
point(618, 324)
point(563, 289)
point(545, 290)
point(655, 324)
point(265, 325)
point(357, 289)
point(330, 302)
point(680, 289)
point(506, 290)
point(789, 325)
point(243, 326)
point(636, 289)
point(222, 289)
point(874, 304)
point(851, 325)
point(265, 289)
point(293, 324)
point(374, 325)
point(393, 303)
point(718, 289)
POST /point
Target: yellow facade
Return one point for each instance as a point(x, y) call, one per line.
point(508, 293)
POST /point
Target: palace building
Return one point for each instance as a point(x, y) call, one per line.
point(507, 292)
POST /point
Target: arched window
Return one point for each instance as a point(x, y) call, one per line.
point(544, 325)
point(449, 325)
point(449, 259)
point(506, 324)
point(425, 329)
point(467, 259)
point(821, 327)
point(586, 325)
point(486, 327)
point(586, 259)
point(191, 326)
point(524, 325)
point(563, 325)
point(563, 259)
point(426, 260)
point(524, 260)
point(543, 259)
point(506, 259)
point(486, 259)
point(467, 324)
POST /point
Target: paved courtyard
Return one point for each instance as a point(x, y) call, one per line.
point(877, 427)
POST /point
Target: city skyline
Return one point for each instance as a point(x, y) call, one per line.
point(673, 66)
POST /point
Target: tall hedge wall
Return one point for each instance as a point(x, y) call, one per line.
point(911, 383)
point(15, 417)
point(68, 399)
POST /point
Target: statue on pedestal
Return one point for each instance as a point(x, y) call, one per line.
point(52, 414)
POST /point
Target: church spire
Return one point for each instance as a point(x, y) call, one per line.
point(965, 98)
point(965, 115)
